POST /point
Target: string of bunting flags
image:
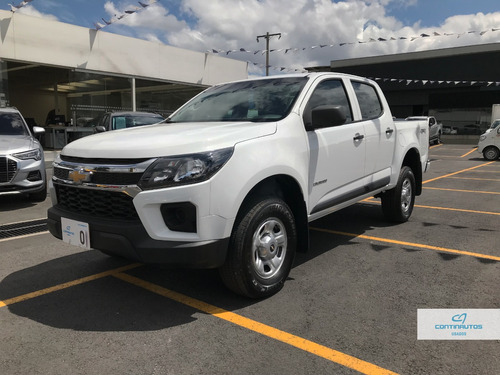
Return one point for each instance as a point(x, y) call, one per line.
point(276, 68)
point(128, 12)
point(370, 40)
point(406, 81)
point(435, 82)
point(13, 8)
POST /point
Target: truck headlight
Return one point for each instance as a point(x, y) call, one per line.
point(184, 169)
point(31, 154)
point(482, 137)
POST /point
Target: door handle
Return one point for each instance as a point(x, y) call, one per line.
point(358, 137)
point(389, 131)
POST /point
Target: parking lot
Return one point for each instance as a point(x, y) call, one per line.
point(349, 306)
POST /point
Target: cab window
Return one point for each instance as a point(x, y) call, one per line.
point(368, 100)
point(329, 92)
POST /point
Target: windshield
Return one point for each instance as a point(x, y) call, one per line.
point(131, 121)
point(495, 124)
point(12, 124)
point(255, 100)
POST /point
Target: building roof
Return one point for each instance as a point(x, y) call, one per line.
point(35, 40)
point(470, 63)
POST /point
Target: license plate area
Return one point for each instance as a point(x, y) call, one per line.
point(75, 233)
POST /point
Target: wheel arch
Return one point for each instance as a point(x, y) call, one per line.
point(288, 189)
point(412, 160)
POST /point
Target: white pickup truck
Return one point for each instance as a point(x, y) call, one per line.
point(435, 128)
point(232, 179)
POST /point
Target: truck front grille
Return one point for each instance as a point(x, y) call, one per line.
point(104, 178)
point(8, 169)
point(96, 203)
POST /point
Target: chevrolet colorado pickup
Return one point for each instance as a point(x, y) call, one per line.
point(232, 178)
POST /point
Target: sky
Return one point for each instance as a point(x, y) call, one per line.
point(313, 32)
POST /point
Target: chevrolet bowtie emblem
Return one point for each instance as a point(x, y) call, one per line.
point(80, 175)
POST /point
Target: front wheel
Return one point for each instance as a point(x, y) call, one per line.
point(491, 153)
point(397, 203)
point(262, 249)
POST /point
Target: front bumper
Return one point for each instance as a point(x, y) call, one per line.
point(130, 240)
point(26, 176)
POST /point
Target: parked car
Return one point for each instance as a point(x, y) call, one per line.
point(122, 120)
point(450, 130)
point(494, 125)
point(471, 129)
point(489, 142)
point(22, 165)
point(435, 128)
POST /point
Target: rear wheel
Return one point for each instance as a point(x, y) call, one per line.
point(397, 203)
point(262, 249)
point(491, 153)
point(438, 139)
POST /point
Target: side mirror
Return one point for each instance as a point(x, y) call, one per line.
point(38, 130)
point(100, 129)
point(328, 115)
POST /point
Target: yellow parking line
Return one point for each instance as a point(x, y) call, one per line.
point(287, 338)
point(468, 153)
point(438, 145)
point(56, 288)
point(274, 333)
point(371, 200)
point(463, 191)
point(438, 157)
point(496, 172)
point(475, 178)
point(454, 173)
point(459, 210)
point(417, 245)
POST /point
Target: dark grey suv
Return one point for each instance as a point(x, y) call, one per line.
point(22, 165)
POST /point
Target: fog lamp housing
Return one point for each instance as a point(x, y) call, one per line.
point(179, 217)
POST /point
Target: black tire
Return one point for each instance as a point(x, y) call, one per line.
point(397, 203)
point(261, 249)
point(438, 139)
point(491, 153)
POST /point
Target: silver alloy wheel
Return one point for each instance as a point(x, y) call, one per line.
point(406, 195)
point(269, 248)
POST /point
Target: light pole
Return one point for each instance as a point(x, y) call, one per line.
point(268, 36)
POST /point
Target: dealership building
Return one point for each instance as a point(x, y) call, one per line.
point(60, 76)
point(456, 85)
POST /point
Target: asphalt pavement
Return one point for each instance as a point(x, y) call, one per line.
point(349, 306)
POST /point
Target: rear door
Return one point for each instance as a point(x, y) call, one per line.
point(380, 133)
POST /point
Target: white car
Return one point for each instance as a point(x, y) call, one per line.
point(489, 142)
point(22, 165)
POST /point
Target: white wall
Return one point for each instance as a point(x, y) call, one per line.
point(37, 40)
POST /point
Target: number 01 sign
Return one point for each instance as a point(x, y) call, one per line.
point(75, 233)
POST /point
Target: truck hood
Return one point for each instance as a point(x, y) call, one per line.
point(16, 143)
point(167, 139)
